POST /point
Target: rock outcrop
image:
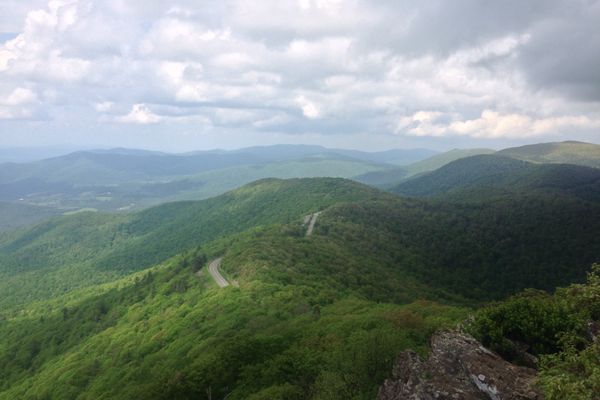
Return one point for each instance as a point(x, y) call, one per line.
point(458, 368)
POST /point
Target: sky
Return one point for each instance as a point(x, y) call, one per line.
point(187, 75)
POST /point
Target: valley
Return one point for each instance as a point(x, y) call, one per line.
point(284, 288)
point(123, 180)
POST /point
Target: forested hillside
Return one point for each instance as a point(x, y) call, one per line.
point(298, 326)
point(120, 306)
point(391, 177)
point(88, 248)
point(574, 153)
point(439, 160)
point(310, 315)
point(569, 152)
point(487, 176)
point(122, 180)
point(15, 215)
point(481, 251)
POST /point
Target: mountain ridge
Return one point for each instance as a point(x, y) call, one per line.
point(489, 173)
point(567, 152)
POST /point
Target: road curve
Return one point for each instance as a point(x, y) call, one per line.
point(311, 224)
point(213, 267)
point(213, 270)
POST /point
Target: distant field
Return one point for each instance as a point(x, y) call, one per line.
point(81, 210)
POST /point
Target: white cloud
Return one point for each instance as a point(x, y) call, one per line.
point(296, 67)
point(233, 61)
point(174, 37)
point(421, 123)
point(309, 109)
point(19, 96)
point(140, 114)
point(36, 53)
point(104, 106)
point(5, 57)
point(557, 124)
point(492, 125)
point(20, 103)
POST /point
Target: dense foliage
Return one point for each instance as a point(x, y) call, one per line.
point(119, 306)
point(15, 215)
point(291, 330)
point(488, 176)
point(313, 317)
point(383, 179)
point(439, 160)
point(89, 248)
point(481, 251)
point(535, 239)
point(561, 329)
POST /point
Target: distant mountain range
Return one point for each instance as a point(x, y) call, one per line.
point(569, 152)
point(121, 180)
point(128, 179)
point(576, 153)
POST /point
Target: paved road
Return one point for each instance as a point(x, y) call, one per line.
point(311, 224)
point(213, 267)
point(213, 270)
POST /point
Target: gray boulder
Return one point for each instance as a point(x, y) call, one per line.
point(458, 368)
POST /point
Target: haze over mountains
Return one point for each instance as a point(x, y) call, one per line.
point(120, 305)
point(119, 180)
point(122, 179)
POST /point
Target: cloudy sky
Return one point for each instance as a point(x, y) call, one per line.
point(182, 75)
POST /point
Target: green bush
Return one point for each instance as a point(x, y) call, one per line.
point(553, 327)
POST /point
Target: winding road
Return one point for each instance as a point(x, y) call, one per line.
point(311, 224)
point(213, 267)
point(213, 270)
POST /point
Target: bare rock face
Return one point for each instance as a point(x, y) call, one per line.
point(458, 368)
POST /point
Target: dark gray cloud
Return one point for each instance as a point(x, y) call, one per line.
point(563, 53)
point(442, 27)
